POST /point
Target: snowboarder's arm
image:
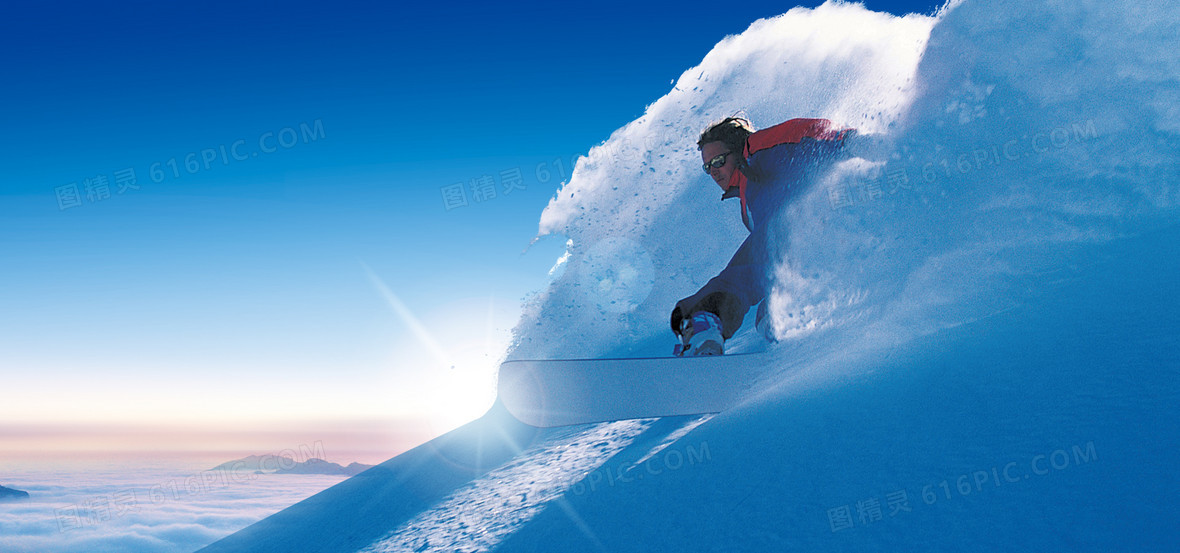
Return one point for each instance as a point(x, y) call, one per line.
point(730, 294)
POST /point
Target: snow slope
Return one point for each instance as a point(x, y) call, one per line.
point(978, 317)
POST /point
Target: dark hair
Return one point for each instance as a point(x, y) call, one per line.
point(732, 131)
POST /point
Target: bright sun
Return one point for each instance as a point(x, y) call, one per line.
point(467, 390)
point(455, 357)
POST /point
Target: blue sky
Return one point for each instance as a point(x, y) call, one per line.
point(300, 274)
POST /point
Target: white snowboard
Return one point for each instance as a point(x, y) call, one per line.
point(576, 391)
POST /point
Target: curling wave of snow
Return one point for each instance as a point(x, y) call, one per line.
point(999, 141)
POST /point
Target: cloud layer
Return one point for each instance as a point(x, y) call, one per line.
point(141, 509)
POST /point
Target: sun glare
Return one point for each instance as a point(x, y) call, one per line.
point(454, 357)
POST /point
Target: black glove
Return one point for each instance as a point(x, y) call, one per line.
point(677, 318)
point(725, 305)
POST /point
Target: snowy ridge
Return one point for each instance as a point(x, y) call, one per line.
point(978, 316)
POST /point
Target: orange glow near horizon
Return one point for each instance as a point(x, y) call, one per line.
point(415, 391)
point(365, 441)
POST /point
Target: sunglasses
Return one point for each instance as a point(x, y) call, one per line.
point(715, 163)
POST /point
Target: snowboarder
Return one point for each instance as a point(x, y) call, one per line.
point(764, 169)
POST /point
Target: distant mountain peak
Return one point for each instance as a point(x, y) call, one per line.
point(274, 464)
point(9, 494)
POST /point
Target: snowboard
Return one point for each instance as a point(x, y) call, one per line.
point(548, 393)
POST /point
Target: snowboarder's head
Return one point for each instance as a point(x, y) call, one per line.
point(721, 147)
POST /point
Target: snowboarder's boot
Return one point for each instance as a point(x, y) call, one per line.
point(701, 335)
